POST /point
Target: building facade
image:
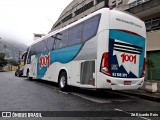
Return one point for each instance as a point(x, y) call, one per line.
point(147, 10)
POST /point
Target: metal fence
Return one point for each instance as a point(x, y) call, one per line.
point(137, 2)
point(153, 24)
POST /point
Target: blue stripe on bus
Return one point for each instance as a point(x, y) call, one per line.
point(64, 55)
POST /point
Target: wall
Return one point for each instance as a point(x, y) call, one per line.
point(153, 40)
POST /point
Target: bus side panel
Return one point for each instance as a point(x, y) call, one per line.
point(51, 73)
point(85, 54)
point(84, 65)
point(54, 69)
point(75, 73)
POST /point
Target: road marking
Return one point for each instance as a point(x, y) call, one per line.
point(62, 92)
point(91, 98)
point(130, 114)
point(52, 87)
point(120, 94)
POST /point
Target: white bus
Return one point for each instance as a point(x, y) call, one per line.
point(104, 50)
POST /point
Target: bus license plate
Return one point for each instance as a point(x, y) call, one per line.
point(127, 82)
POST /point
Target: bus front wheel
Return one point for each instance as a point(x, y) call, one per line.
point(28, 77)
point(63, 81)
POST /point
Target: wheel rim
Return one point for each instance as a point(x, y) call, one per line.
point(62, 82)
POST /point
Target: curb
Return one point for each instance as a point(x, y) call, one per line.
point(143, 96)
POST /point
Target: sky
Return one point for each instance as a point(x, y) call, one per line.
point(19, 19)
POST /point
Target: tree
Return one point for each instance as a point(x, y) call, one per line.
point(3, 61)
point(151, 66)
point(12, 62)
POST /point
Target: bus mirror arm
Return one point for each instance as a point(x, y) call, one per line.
point(55, 36)
point(58, 34)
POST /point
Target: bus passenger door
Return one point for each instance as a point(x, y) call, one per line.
point(87, 74)
point(34, 66)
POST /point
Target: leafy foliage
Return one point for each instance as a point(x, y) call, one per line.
point(12, 62)
point(151, 66)
point(3, 61)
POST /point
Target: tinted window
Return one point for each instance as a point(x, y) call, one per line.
point(29, 57)
point(41, 47)
point(63, 40)
point(25, 55)
point(50, 42)
point(38, 48)
point(90, 28)
point(33, 50)
point(75, 35)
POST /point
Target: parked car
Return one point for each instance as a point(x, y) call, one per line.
point(1, 69)
point(19, 72)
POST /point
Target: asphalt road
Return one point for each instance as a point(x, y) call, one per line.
point(20, 94)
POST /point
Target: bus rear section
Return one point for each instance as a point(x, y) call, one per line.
point(122, 64)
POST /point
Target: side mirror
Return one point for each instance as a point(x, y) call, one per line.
point(23, 55)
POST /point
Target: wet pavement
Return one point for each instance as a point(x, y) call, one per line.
point(20, 94)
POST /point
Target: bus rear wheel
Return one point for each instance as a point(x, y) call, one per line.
point(63, 81)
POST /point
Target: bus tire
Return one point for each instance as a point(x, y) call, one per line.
point(28, 77)
point(18, 75)
point(63, 81)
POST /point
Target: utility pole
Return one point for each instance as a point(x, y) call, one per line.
point(19, 55)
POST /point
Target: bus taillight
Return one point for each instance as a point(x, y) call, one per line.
point(104, 68)
point(144, 67)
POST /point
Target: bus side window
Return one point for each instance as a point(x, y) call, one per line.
point(63, 40)
point(50, 42)
point(33, 49)
point(26, 55)
point(75, 35)
point(29, 55)
point(42, 46)
point(90, 28)
point(39, 47)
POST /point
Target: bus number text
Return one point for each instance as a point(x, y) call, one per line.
point(44, 61)
point(130, 58)
point(119, 75)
